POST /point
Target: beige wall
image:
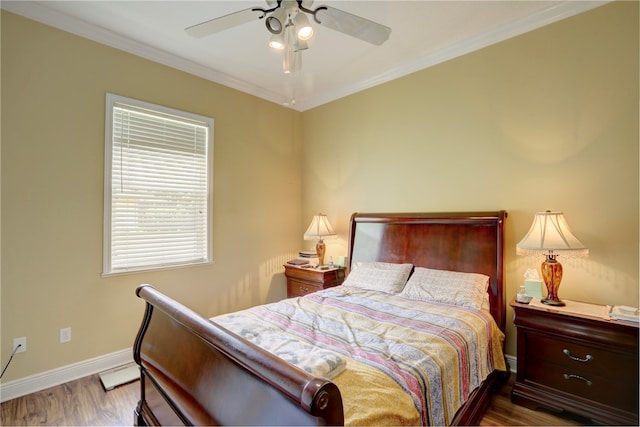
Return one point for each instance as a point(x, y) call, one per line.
point(547, 120)
point(53, 94)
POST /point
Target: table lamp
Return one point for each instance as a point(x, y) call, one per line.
point(318, 229)
point(550, 235)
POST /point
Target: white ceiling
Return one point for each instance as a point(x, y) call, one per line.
point(423, 33)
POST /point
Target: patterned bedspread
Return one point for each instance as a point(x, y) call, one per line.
point(407, 362)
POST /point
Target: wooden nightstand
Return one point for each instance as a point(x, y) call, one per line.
point(576, 363)
point(302, 281)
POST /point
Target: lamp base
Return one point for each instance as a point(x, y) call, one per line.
point(552, 276)
point(554, 302)
point(320, 250)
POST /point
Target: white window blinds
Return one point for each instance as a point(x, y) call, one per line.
point(158, 173)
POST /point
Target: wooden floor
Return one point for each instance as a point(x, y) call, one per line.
point(502, 412)
point(85, 403)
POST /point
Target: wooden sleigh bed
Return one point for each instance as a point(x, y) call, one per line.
point(196, 372)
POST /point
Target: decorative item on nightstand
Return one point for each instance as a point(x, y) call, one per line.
point(533, 283)
point(318, 229)
point(550, 235)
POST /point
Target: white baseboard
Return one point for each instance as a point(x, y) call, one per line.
point(33, 383)
point(23, 386)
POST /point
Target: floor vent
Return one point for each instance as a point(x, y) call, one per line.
point(120, 375)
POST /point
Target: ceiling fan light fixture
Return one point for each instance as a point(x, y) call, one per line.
point(300, 45)
point(291, 41)
point(305, 33)
point(276, 22)
point(276, 41)
point(304, 30)
point(273, 25)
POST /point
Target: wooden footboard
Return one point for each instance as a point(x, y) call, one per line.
point(195, 372)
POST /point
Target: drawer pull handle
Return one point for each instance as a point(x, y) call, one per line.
point(577, 377)
point(589, 357)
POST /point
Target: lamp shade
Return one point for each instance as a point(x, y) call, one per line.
point(550, 233)
point(319, 228)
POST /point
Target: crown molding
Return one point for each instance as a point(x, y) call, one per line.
point(548, 16)
point(38, 11)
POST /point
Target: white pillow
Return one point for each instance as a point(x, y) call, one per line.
point(379, 276)
point(448, 287)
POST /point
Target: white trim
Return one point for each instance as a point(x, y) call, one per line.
point(556, 12)
point(509, 30)
point(196, 230)
point(513, 363)
point(31, 384)
point(40, 13)
point(47, 379)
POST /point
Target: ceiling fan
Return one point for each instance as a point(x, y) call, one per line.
point(289, 26)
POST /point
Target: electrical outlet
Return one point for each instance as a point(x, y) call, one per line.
point(22, 342)
point(65, 335)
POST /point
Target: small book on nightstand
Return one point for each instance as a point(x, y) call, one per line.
point(304, 258)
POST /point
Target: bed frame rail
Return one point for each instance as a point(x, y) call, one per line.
point(195, 372)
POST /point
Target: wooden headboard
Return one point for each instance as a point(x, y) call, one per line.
point(471, 242)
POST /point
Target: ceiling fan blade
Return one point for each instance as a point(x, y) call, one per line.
point(222, 23)
point(352, 25)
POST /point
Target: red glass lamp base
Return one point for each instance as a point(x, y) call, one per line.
point(552, 276)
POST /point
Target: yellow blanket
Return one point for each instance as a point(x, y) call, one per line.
point(363, 388)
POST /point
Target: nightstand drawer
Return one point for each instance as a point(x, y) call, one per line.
point(577, 357)
point(299, 289)
point(586, 385)
point(303, 281)
point(332, 276)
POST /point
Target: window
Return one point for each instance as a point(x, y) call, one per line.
point(158, 181)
